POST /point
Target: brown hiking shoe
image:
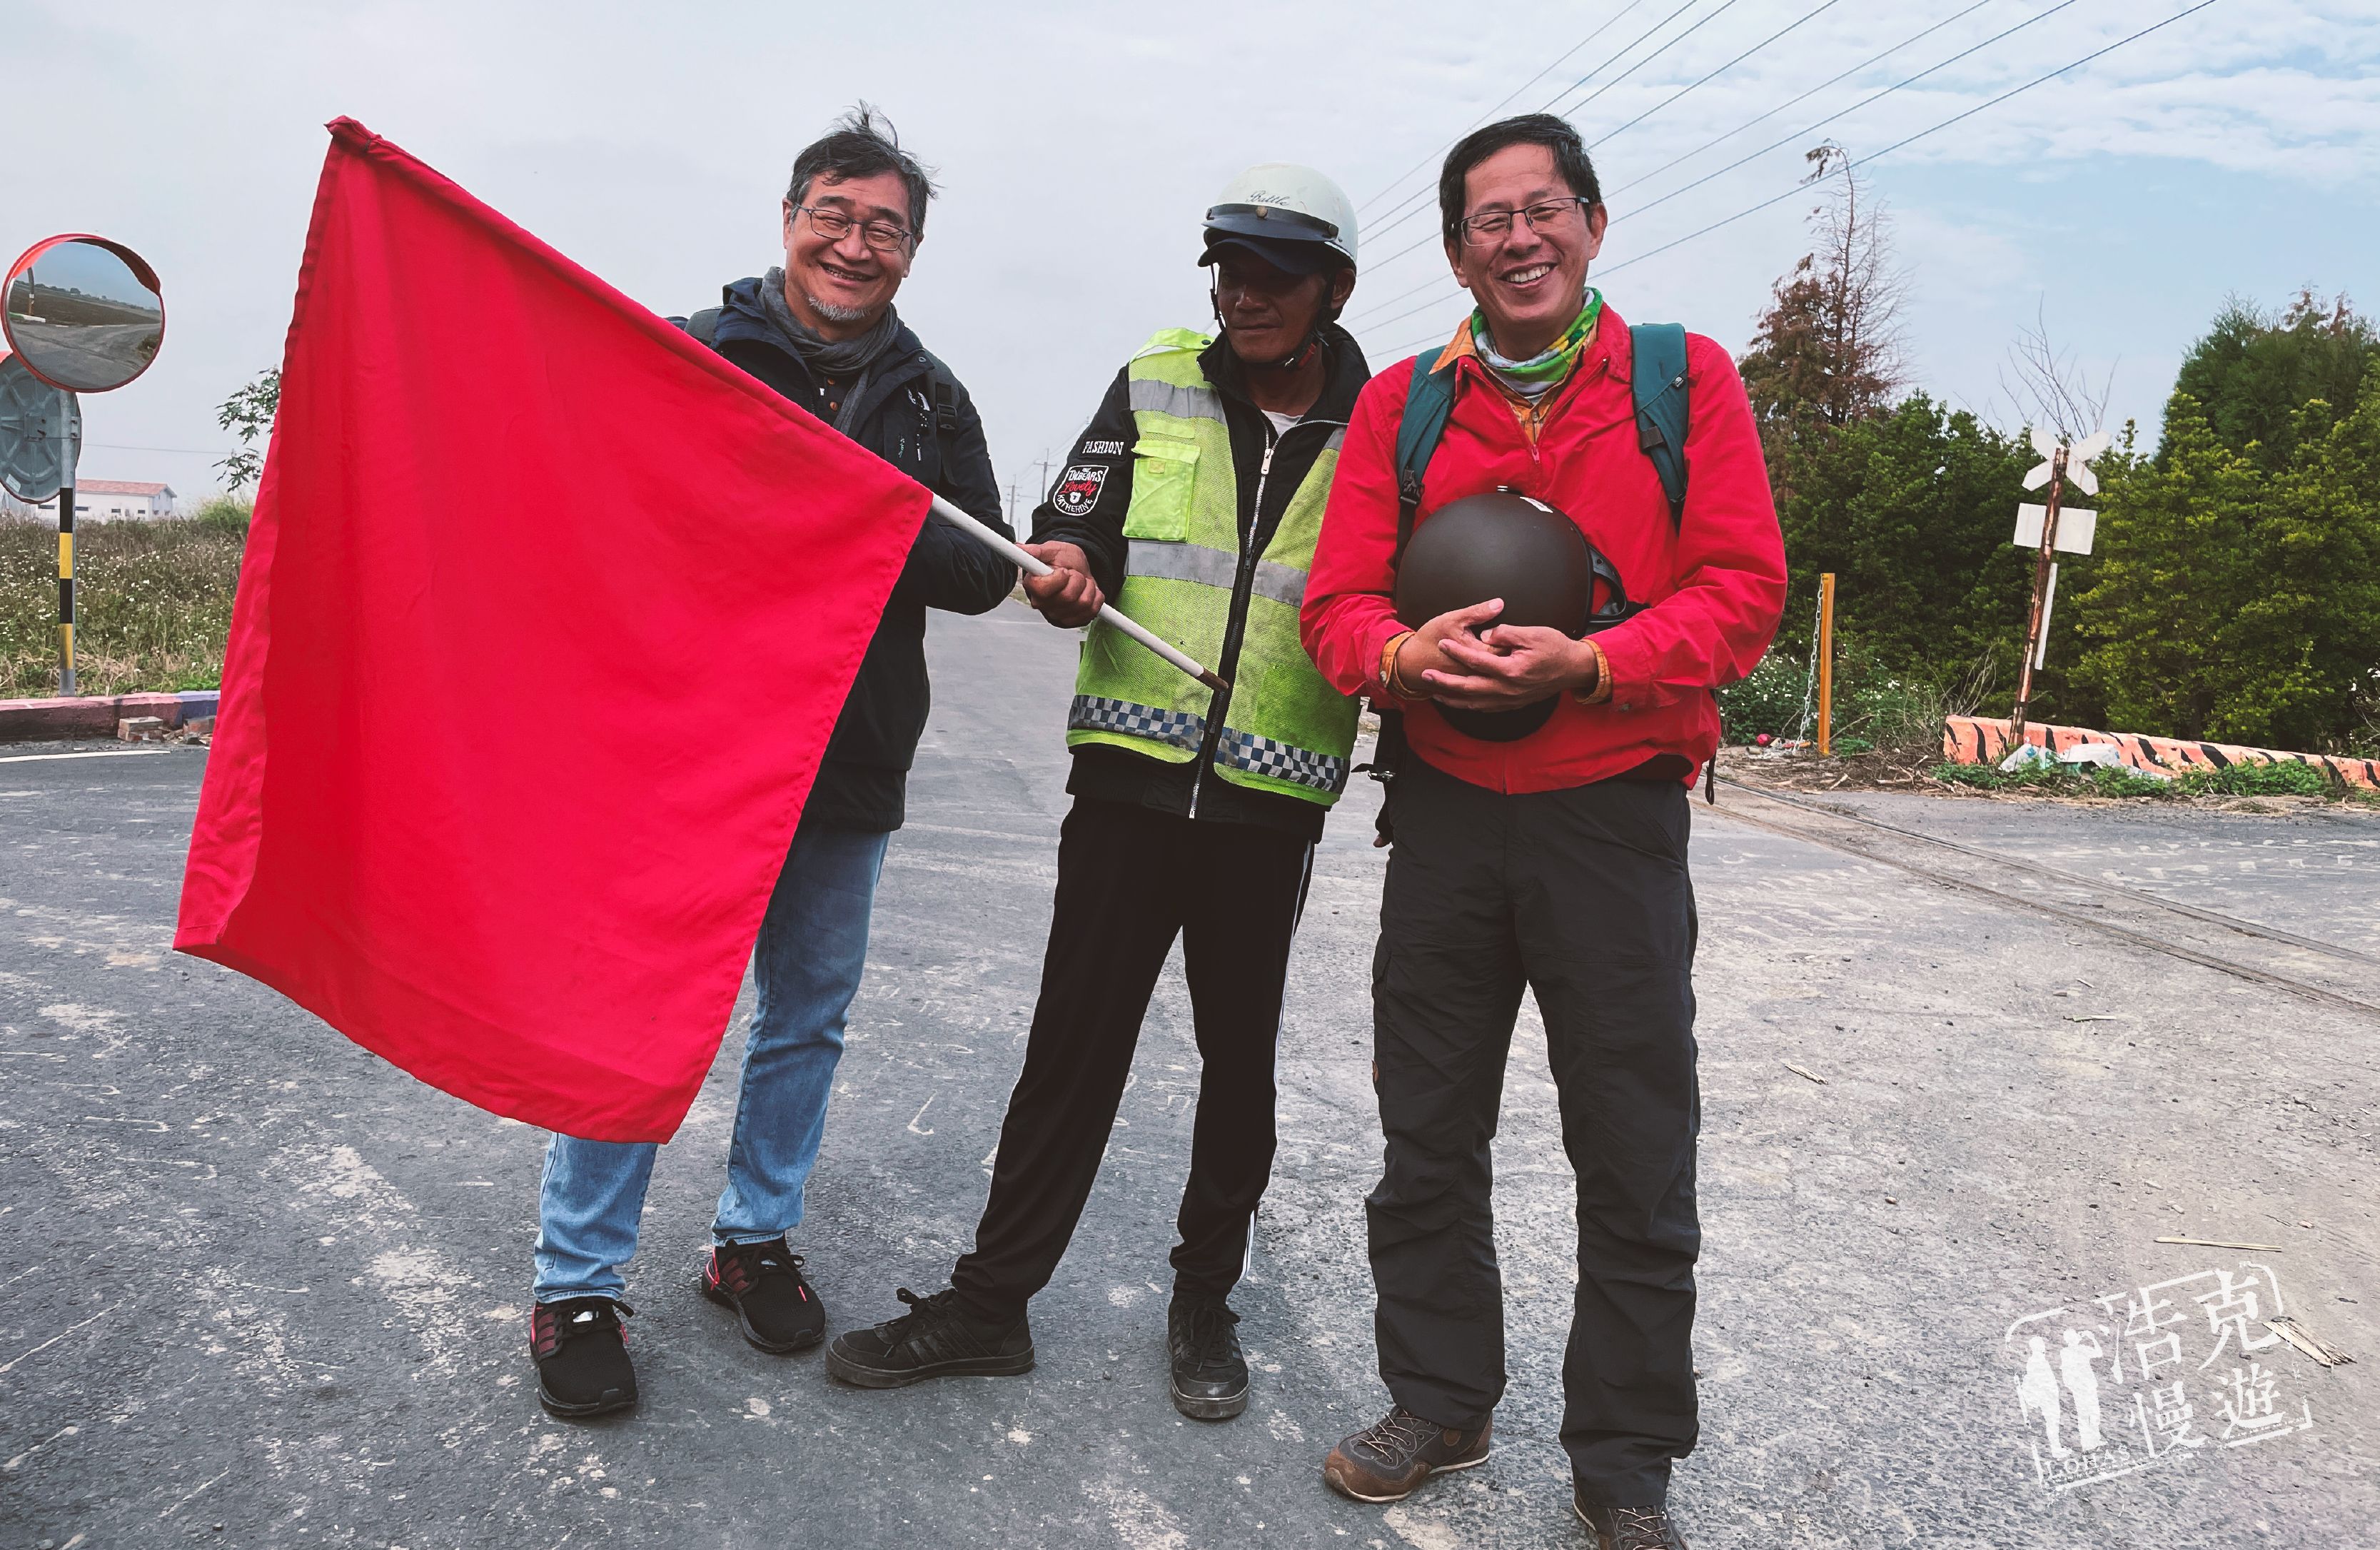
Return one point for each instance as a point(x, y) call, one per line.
point(1628, 1528)
point(1386, 1461)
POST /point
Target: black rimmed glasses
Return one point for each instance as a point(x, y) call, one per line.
point(834, 226)
point(1489, 227)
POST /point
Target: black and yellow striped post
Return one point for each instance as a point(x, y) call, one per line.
point(65, 588)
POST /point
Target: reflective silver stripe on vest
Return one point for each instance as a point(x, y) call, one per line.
point(1338, 439)
point(1299, 766)
point(1181, 403)
point(1212, 567)
point(1096, 713)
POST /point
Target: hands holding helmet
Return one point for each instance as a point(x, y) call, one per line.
point(1466, 660)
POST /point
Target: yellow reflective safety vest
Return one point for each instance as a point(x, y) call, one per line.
point(1285, 728)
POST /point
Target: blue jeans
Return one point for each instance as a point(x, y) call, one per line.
point(812, 950)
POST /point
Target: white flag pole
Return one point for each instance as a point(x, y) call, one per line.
point(1032, 566)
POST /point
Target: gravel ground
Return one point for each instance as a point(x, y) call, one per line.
point(257, 1286)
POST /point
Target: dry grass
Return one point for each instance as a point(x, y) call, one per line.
point(152, 602)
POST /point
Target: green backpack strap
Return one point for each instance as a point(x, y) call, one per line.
point(1428, 402)
point(1663, 415)
point(1659, 382)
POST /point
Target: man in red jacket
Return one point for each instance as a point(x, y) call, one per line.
point(1555, 860)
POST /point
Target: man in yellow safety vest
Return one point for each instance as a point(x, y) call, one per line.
point(1193, 500)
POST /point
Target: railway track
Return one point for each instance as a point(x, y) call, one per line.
point(2324, 972)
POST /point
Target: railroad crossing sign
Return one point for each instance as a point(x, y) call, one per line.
point(2078, 460)
point(2048, 531)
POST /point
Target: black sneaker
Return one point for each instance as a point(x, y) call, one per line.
point(934, 1339)
point(582, 1357)
point(764, 1283)
point(1210, 1376)
point(1388, 1460)
point(1626, 1528)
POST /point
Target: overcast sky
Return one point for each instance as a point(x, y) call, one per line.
point(2237, 151)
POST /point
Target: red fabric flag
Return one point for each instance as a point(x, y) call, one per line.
point(546, 615)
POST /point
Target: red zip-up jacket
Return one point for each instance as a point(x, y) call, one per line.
point(1717, 583)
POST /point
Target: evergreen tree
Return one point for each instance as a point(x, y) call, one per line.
point(2237, 595)
point(2252, 370)
point(1911, 510)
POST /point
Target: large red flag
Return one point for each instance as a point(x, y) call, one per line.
point(546, 614)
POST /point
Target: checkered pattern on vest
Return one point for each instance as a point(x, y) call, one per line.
point(1096, 713)
point(1281, 761)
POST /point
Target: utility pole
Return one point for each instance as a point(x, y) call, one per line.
point(1827, 664)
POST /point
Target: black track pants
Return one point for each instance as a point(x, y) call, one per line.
point(1129, 879)
point(1583, 897)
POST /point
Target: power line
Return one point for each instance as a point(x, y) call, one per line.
point(1921, 134)
point(1392, 217)
point(1714, 16)
point(1824, 5)
point(1865, 64)
point(1541, 74)
point(1875, 97)
point(1798, 134)
point(1896, 145)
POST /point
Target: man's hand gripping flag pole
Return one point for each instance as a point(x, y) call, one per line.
point(1032, 566)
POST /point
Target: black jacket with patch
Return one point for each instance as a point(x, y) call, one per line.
point(915, 415)
point(1086, 506)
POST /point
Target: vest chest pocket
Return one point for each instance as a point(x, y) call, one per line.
point(1163, 471)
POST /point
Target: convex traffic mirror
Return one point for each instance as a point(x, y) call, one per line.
point(84, 314)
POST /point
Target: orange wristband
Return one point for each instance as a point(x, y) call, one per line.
point(1602, 689)
point(1388, 666)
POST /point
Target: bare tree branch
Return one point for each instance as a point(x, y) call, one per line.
point(2049, 387)
point(1829, 348)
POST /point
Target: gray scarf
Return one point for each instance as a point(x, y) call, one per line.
point(837, 358)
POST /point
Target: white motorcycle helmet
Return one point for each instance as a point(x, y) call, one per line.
point(1290, 215)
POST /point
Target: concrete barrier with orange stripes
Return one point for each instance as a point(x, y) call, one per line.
point(1969, 740)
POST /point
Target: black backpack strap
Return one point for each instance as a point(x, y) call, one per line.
point(1658, 380)
point(943, 395)
point(1428, 402)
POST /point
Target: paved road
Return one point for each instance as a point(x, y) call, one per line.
point(91, 357)
point(249, 1276)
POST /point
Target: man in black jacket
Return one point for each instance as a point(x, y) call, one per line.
point(822, 332)
point(1194, 498)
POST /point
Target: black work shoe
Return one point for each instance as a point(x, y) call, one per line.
point(582, 1357)
point(934, 1339)
point(1210, 1376)
point(1626, 1528)
point(764, 1283)
point(1385, 1462)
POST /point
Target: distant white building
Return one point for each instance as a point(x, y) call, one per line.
point(112, 500)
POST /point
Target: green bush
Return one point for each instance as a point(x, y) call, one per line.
point(2262, 780)
point(1768, 699)
point(2119, 781)
point(2239, 780)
